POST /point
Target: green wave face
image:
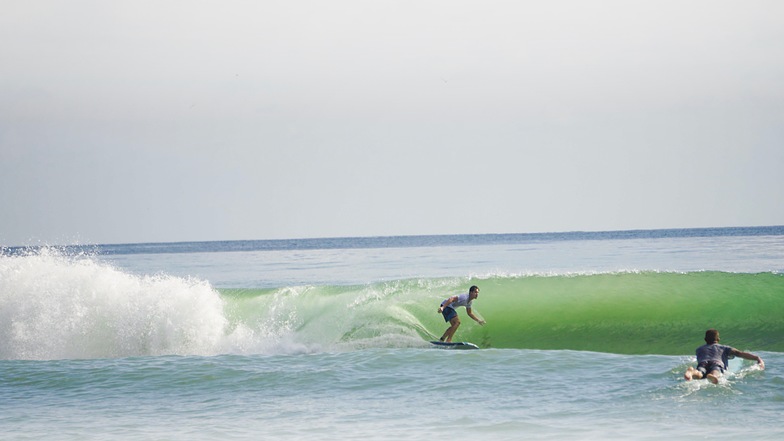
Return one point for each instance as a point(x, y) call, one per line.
point(626, 313)
point(662, 313)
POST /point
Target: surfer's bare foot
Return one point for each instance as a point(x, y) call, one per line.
point(713, 378)
point(692, 373)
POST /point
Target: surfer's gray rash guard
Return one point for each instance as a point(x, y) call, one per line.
point(462, 300)
point(714, 352)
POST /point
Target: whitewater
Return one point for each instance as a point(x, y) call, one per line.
point(587, 337)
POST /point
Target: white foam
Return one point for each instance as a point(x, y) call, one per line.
point(54, 306)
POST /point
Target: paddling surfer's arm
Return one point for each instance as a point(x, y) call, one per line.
point(471, 314)
point(748, 356)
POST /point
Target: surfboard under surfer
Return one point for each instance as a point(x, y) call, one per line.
point(447, 309)
point(712, 359)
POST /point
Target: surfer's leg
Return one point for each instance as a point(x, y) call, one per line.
point(455, 322)
point(714, 376)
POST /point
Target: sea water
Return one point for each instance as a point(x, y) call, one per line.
point(587, 337)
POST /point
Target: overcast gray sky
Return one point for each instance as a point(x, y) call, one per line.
point(158, 121)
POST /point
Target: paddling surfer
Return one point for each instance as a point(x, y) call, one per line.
point(712, 358)
point(447, 309)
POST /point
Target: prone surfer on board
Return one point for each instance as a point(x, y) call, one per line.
point(712, 358)
point(448, 306)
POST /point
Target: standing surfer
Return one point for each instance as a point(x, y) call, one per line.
point(447, 309)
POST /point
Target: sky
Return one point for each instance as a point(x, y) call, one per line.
point(167, 121)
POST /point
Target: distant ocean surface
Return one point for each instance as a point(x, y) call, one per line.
point(587, 337)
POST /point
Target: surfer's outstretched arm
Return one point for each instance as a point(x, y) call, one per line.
point(477, 319)
point(749, 356)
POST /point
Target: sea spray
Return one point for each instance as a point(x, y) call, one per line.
point(58, 306)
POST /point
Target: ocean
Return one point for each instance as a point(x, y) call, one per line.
point(587, 337)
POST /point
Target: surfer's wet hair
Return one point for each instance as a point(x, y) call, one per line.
point(711, 336)
point(473, 289)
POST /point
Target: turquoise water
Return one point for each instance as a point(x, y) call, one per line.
point(386, 393)
point(587, 338)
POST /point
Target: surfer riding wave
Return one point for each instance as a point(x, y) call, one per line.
point(448, 310)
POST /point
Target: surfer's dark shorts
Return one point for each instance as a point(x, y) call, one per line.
point(707, 367)
point(449, 313)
